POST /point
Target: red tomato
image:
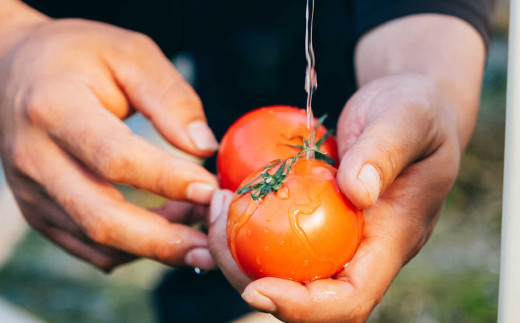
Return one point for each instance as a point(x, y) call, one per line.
point(306, 230)
point(261, 136)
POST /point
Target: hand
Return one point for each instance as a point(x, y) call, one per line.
point(400, 155)
point(65, 85)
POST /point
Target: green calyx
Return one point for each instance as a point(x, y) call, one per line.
point(272, 183)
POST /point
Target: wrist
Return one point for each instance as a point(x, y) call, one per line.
point(17, 20)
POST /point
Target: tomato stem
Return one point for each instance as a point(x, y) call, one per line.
point(272, 183)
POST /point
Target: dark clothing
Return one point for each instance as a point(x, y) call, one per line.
point(185, 297)
point(250, 54)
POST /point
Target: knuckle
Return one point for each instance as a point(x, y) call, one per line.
point(39, 105)
point(391, 163)
point(106, 265)
point(164, 252)
point(136, 41)
point(19, 157)
point(191, 100)
point(97, 231)
point(179, 96)
point(113, 164)
point(35, 103)
point(188, 109)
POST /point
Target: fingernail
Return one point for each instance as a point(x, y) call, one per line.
point(369, 177)
point(202, 136)
point(259, 301)
point(199, 257)
point(200, 192)
point(215, 209)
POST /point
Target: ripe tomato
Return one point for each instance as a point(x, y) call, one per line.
point(261, 136)
point(306, 230)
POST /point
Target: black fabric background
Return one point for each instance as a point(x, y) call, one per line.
point(251, 53)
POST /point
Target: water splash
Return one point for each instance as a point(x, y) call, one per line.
point(311, 81)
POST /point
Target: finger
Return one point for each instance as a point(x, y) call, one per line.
point(101, 81)
point(101, 212)
point(156, 89)
point(106, 145)
point(325, 300)
point(49, 219)
point(217, 240)
point(181, 212)
point(187, 213)
point(101, 260)
point(38, 208)
point(104, 259)
point(386, 145)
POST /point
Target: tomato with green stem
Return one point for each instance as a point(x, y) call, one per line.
point(290, 220)
point(266, 134)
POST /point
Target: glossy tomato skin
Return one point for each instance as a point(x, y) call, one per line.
point(307, 230)
point(261, 136)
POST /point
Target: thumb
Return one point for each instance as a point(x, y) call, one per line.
point(382, 151)
point(155, 88)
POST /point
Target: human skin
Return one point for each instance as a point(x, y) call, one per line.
point(400, 139)
point(65, 87)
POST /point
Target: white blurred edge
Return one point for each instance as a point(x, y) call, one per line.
point(13, 225)
point(509, 290)
point(12, 229)
point(12, 314)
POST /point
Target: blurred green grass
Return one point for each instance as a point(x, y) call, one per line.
point(455, 276)
point(453, 279)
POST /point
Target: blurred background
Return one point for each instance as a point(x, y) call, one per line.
point(453, 279)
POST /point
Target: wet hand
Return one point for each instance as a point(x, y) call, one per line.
point(400, 155)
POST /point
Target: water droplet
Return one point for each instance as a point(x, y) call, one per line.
point(266, 248)
point(268, 219)
point(179, 241)
point(199, 271)
point(266, 230)
point(282, 242)
point(261, 270)
point(257, 260)
point(305, 262)
point(249, 232)
point(283, 193)
point(252, 208)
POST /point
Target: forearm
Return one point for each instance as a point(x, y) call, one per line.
point(446, 50)
point(16, 18)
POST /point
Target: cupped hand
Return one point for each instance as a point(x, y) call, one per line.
point(65, 86)
point(400, 155)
